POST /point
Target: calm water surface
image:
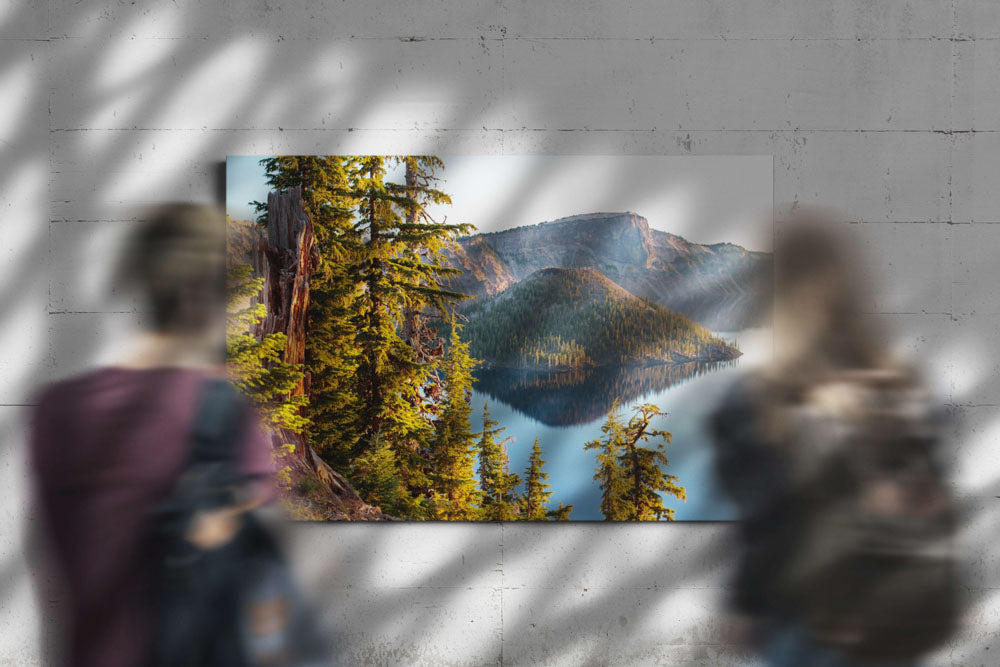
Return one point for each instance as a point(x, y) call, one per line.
point(565, 410)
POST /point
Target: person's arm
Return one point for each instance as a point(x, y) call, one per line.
point(255, 463)
point(752, 474)
point(211, 529)
point(747, 468)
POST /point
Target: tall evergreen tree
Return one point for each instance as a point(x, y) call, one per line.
point(498, 485)
point(609, 473)
point(399, 265)
point(331, 357)
point(644, 468)
point(452, 465)
point(534, 502)
point(371, 374)
point(632, 475)
point(378, 480)
point(425, 340)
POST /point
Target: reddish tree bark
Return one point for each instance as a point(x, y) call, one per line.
point(286, 258)
point(285, 255)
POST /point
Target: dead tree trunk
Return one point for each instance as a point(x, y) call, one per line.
point(285, 256)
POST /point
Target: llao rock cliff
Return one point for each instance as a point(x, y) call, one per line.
point(283, 253)
point(722, 286)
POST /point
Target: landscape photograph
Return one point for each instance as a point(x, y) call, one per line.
point(496, 338)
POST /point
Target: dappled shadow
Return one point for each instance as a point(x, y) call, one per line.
point(125, 106)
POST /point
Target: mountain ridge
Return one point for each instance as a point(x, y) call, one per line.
point(722, 285)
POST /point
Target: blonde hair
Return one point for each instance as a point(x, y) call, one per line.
point(812, 254)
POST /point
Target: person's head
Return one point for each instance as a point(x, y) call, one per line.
point(176, 261)
point(818, 320)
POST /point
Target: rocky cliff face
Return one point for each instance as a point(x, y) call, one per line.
point(722, 286)
point(283, 253)
point(485, 273)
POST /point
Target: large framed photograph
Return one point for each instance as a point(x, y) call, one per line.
point(496, 338)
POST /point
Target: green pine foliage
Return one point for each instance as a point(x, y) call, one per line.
point(535, 500)
point(331, 357)
point(380, 261)
point(609, 473)
point(378, 481)
point(631, 468)
point(399, 265)
point(560, 513)
point(500, 501)
point(256, 366)
point(453, 445)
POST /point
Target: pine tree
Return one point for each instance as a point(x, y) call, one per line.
point(534, 502)
point(609, 472)
point(452, 466)
point(373, 375)
point(379, 482)
point(632, 476)
point(424, 339)
point(499, 498)
point(643, 467)
point(399, 265)
point(561, 513)
point(331, 354)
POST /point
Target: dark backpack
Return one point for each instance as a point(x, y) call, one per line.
point(871, 568)
point(217, 607)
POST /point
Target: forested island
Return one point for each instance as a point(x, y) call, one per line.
point(564, 318)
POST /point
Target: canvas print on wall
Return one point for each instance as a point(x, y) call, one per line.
point(496, 337)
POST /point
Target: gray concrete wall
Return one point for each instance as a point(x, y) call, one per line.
point(887, 110)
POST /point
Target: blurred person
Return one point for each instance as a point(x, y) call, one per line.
point(142, 523)
point(831, 455)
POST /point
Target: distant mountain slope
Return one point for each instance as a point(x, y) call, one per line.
point(243, 238)
point(577, 318)
point(722, 286)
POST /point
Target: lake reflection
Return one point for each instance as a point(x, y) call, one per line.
point(566, 409)
point(565, 398)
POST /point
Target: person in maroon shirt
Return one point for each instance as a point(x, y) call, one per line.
point(108, 446)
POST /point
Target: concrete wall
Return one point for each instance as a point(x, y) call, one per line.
point(887, 110)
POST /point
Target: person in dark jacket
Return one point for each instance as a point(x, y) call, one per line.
point(109, 445)
point(824, 348)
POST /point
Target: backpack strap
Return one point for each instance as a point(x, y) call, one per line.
point(212, 476)
point(217, 424)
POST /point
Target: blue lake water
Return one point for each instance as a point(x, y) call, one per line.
point(565, 410)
